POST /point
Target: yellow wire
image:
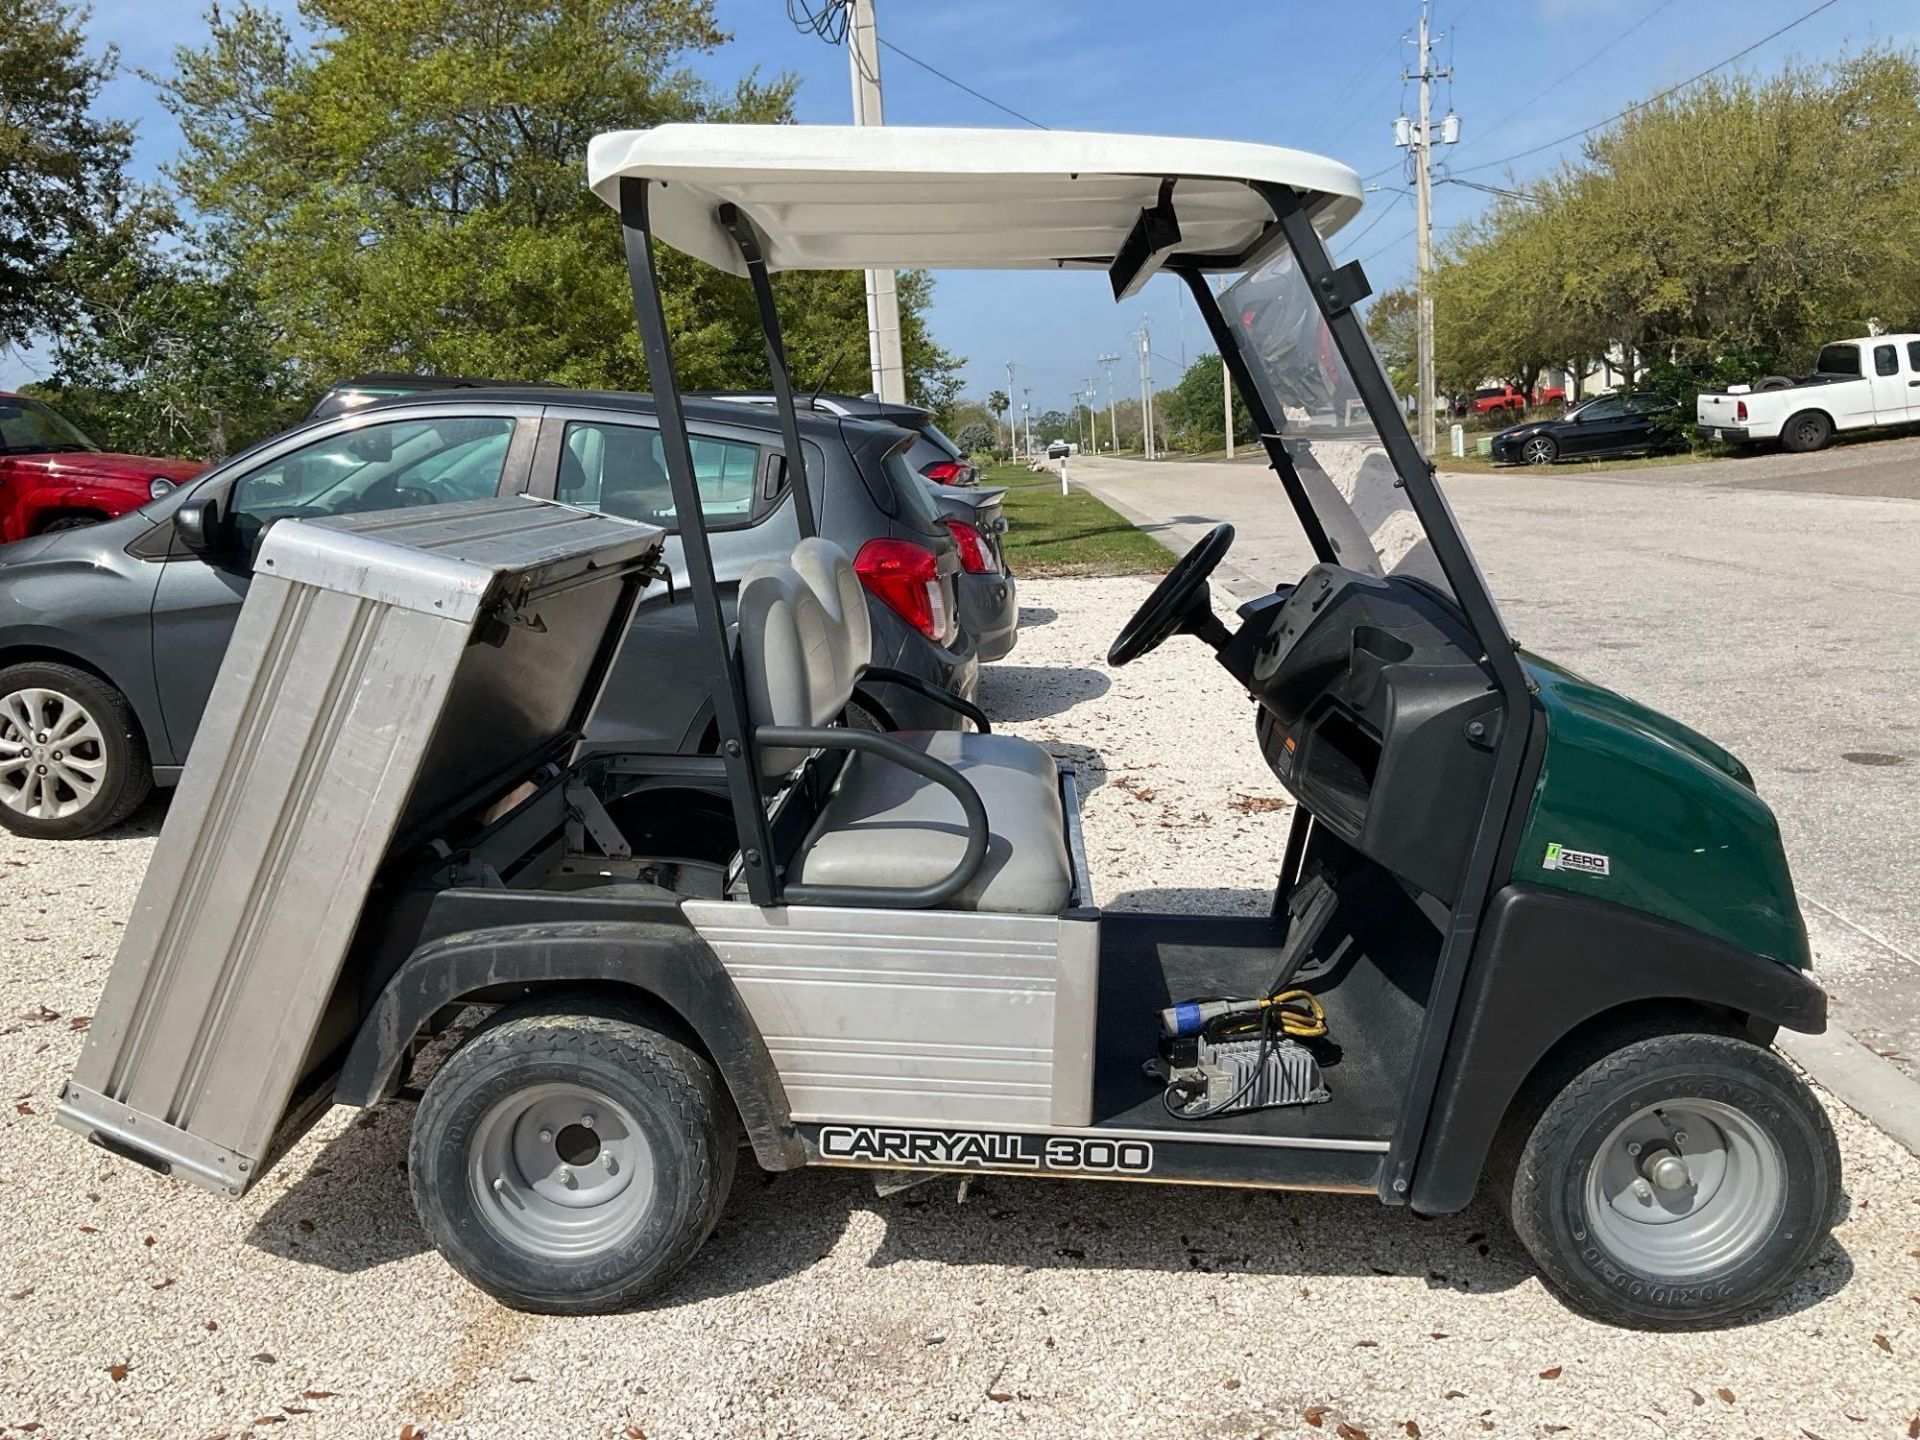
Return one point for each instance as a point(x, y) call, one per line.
point(1309, 1024)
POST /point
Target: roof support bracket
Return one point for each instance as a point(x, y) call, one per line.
point(747, 239)
point(1155, 236)
point(1345, 288)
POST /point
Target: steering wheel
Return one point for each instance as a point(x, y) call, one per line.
point(1179, 602)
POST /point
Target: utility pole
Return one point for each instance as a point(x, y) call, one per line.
point(1013, 439)
point(1146, 387)
point(1107, 362)
point(1093, 419)
point(1418, 138)
point(883, 301)
point(1026, 416)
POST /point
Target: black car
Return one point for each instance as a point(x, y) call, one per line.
point(1610, 425)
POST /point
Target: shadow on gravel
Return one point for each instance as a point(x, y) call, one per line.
point(1090, 767)
point(1038, 615)
point(1014, 693)
point(1195, 900)
point(350, 1211)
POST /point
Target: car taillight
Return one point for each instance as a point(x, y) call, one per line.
point(945, 472)
point(906, 579)
point(1740, 410)
point(973, 550)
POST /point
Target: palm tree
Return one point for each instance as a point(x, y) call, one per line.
point(998, 403)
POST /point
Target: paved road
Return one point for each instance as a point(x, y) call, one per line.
point(1773, 603)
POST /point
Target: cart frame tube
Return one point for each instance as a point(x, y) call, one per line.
point(723, 675)
point(748, 241)
point(1336, 291)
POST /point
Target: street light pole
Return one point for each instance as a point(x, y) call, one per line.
point(1417, 138)
point(1107, 363)
point(1013, 438)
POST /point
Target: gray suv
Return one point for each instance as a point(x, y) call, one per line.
point(111, 636)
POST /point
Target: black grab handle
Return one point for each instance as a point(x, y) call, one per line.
point(919, 897)
point(937, 693)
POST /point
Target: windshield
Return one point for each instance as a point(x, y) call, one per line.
point(29, 428)
point(1330, 435)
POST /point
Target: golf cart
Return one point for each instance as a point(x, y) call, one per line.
point(1525, 935)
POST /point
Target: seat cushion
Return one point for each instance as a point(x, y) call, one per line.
point(885, 825)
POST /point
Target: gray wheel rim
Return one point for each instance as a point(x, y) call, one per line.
point(561, 1171)
point(1809, 432)
point(53, 756)
point(1539, 452)
point(1685, 1188)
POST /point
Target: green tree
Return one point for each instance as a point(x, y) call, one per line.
point(405, 189)
point(1192, 411)
point(1393, 322)
point(975, 438)
point(166, 357)
point(62, 169)
point(998, 402)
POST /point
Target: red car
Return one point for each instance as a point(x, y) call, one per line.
point(52, 477)
point(1497, 397)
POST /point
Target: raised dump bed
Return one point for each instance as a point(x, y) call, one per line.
point(364, 640)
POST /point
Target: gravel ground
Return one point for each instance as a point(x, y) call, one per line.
point(132, 1304)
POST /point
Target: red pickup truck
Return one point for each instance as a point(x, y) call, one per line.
point(1492, 398)
point(52, 477)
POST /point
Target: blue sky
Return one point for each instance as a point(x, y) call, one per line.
point(1289, 72)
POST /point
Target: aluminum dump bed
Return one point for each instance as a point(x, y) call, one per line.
point(387, 671)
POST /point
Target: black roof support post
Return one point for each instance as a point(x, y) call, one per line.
point(1336, 292)
point(721, 675)
point(748, 239)
point(1263, 409)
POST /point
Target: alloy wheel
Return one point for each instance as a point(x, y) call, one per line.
point(1539, 451)
point(53, 757)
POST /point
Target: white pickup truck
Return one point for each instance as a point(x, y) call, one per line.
point(1855, 385)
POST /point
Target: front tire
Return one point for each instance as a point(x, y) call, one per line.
point(1806, 432)
point(1540, 450)
point(571, 1158)
point(1678, 1181)
point(72, 759)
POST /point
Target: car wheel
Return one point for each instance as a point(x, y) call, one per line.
point(1679, 1180)
point(72, 759)
point(571, 1158)
point(1540, 450)
point(1806, 432)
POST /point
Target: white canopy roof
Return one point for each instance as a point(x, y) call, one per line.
point(843, 197)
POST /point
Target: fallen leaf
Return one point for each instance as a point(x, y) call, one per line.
point(79, 1022)
point(296, 1410)
point(521, 1379)
point(89, 1229)
point(148, 1242)
point(1552, 1372)
point(318, 1394)
point(1316, 1416)
point(1698, 1398)
point(40, 1015)
point(163, 1284)
point(1439, 1334)
point(1913, 1428)
point(117, 1371)
point(265, 1357)
point(210, 1325)
point(1725, 1394)
point(21, 1294)
point(269, 1419)
point(1456, 1395)
point(1413, 1430)
point(1231, 1385)
point(1350, 1432)
point(1366, 1344)
point(410, 1431)
point(306, 1225)
point(634, 1432)
point(1000, 1396)
point(1884, 1343)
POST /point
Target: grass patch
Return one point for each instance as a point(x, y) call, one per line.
point(1073, 534)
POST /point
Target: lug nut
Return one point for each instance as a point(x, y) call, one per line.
point(586, 1122)
point(1679, 1136)
point(606, 1159)
point(566, 1177)
point(1633, 1147)
point(546, 1137)
point(1643, 1190)
point(499, 1183)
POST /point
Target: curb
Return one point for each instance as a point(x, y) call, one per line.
point(1865, 1082)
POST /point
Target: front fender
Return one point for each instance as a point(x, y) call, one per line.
point(1548, 962)
point(656, 957)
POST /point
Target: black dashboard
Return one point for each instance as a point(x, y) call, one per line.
point(1377, 712)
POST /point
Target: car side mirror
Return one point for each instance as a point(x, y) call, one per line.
point(197, 523)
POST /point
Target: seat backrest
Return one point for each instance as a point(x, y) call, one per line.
point(634, 482)
point(825, 567)
point(797, 659)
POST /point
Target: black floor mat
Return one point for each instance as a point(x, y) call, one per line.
point(1374, 993)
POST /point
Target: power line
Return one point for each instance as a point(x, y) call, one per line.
point(1352, 80)
point(1549, 89)
point(1385, 210)
point(1398, 239)
point(830, 21)
point(988, 99)
point(1655, 99)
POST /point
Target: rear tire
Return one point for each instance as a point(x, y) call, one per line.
point(1677, 1181)
point(1540, 450)
point(72, 759)
point(1806, 432)
point(571, 1158)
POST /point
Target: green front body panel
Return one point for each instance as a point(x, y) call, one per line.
point(1669, 817)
